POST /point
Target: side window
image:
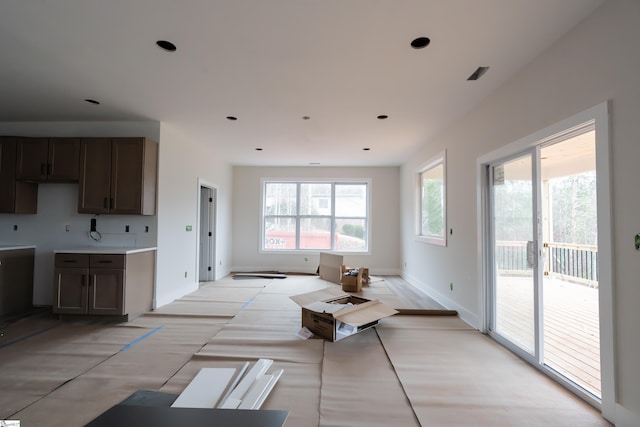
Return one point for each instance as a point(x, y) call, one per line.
point(431, 215)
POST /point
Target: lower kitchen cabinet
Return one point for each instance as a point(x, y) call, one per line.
point(104, 284)
point(16, 280)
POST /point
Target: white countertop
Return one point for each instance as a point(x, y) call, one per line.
point(15, 247)
point(103, 250)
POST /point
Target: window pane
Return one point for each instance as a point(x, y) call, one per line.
point(280, 233)
point(315, 199)
point(280, 199)
point(315, 233)
point(351, 200)
point(433, 202)
point(351, 235)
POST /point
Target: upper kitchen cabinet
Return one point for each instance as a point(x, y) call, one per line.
point(15, 196)
point(118, 176)
point(48, 159)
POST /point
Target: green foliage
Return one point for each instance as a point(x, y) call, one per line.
point(353, 230)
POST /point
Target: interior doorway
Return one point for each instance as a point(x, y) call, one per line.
point(547, 256)
point(207, 234)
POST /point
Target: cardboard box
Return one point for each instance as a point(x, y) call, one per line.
point(351, 282)
point(330, 268)
point(335, 315)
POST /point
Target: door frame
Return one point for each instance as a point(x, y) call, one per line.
point(599, 115)
point(206, 225)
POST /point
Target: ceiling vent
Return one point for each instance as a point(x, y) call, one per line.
point(478, 73)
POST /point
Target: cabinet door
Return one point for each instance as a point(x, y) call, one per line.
point(32, 159)
point(64, 159)
point(94, 192)
point(70, 292)
point(15, 197)
point(7, 174)
point(106, 291)
point(127, 175)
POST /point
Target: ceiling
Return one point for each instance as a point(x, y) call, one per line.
point(270, 64)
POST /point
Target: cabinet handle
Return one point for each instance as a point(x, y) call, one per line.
point(105, 261)
point(69, 260)
point(105, 205)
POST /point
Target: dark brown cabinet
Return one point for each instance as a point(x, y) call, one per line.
point(118, 176)
point(89, 284)
point(15, 196)
point(103, 284)
point(48, 159)
point(16, 280)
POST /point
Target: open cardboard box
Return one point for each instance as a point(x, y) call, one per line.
point(334, 315)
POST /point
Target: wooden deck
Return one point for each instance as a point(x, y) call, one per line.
point(571, 326)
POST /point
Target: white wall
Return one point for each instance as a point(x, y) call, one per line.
point(598, 60)
point(182, 162)
point(57, 206)
point(385, 219)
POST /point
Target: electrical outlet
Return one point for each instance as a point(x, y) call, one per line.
point(67, 228)
point(15, 227)
point(185, 274)
point(126, 228)
point(451, 286)
point(637, 242)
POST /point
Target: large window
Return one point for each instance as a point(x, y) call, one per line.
point(431, 227)
point(315, 215)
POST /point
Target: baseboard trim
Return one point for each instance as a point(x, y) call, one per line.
point(170, 297)
point(469, 317)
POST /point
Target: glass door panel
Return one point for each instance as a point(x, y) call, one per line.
point(514, 251)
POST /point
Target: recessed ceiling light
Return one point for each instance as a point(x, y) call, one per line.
point(258, 149)
point(478, 73)
point(166, 45)
point(383, 117)
point(366, 149)
point(92, 101)
point(232, 118)
point(420, 42)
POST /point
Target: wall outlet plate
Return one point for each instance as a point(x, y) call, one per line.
point(189, 228)
point(638, 242)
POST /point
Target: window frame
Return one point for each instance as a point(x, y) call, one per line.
point(438, 160)
point(298, 217)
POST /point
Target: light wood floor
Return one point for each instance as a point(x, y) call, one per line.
point(571, 329)
point(410, 370)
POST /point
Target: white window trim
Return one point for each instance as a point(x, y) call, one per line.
point(439, 159)
point(367, 181)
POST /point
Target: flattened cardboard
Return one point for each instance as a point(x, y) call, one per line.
point(330, 267)
point(322, 314)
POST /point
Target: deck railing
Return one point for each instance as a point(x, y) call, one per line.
point(574, 263)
